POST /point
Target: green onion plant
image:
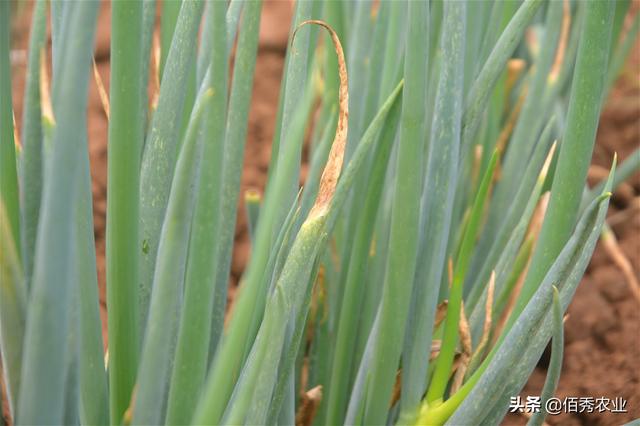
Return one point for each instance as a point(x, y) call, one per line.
point(416, 276)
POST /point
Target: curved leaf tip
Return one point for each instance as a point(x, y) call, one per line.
point(332, 169)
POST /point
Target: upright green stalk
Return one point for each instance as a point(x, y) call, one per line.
point(249, 305)
point(57, 33)
point(251, 300)
point(621, 8)
point(192, 353)
point(259, 376)
point(8, 169)
point(360, 38)
point(438, 198)
point(394, 48)
point(492, 69)
point(355, 283)
point(46, 355)
point(569, 177)
point(576, 148)
point(332, 14)
point(292, 84)
point(31, 171)
point(159, 157)
point(442, 370)
point(296, 73)
point(555, 364)
point(156, 359)
point(525, 341)
point(170, 12)
point(533, 114)
point(13, 308)
point(148, 24)
point(403, 244)
point(92, 392)
point(125, 142)
point(235, 139)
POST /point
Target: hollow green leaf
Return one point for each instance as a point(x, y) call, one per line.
point(31, 171)
point(259, 374)
point(156, 358)
point(532, 116)
point(491, 246)
point(254, 397)
point(148, 25)
point(168, 21)
point(159, 157)
point(252, 210)
point(360, 38)
point(45, 354)
point(57, 31)
point(293, 85)
point(488, 383)
point(621, 12)
point(355, 410)
point(192, 351)
point(343, 358)
point(451, 323)
point(288, 296)
point(540, 339)
point(437, 204)
point(236, 135)
point(250, 301)
point(8, 169)
point(395, 42)
point(123, 194)
point(493, 67)
point(92, 387)
point(576, 148)
point(284, 397)
point(234, 11)
point(555, 364)
point(403, 242)
point(71, 409)
point(13, 307)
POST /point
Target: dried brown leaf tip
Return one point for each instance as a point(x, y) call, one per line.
point(16, 134)
point(488, 309)
point(488, 320)
point(465, 357)
point(45, 93)
point(102, 92)
point(515, 67)
point(331, 171)
point(128, 414)
point(441, 312)
point(252, 195)
point(397, 388)
point(436, 345)
point(614, 251)
point(309, 406)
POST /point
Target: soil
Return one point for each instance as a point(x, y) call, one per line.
point(602, 332)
